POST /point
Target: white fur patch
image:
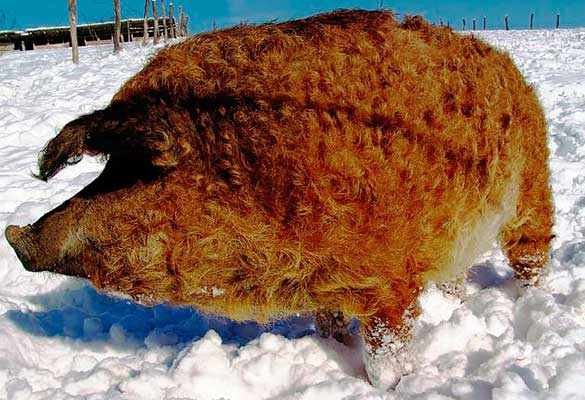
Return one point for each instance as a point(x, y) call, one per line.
point(73, 244)
point(477, 235)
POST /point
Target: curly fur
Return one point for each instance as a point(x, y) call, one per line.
point(335, 162)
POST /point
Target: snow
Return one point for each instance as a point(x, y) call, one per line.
point(60, 339)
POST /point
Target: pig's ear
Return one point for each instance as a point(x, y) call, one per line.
point(142, 130)
point(121, 130)
point(66, 148)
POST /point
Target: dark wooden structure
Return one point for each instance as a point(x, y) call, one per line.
point(86, 34)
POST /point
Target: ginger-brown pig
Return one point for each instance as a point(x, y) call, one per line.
point(334, 164)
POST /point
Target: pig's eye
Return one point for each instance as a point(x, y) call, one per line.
point(74, 159)
point(163, 141)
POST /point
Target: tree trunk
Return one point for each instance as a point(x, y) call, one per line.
point(117, 27)
point(73, 30)
point(164, 19)
point(145, 35)
point(155, 15)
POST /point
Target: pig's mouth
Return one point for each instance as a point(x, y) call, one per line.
point(21, 241)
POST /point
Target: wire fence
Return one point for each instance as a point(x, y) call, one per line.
point(482, 24)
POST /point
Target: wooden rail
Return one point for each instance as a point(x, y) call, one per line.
point(87, 34)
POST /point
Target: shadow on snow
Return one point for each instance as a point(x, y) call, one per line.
point(80, 312)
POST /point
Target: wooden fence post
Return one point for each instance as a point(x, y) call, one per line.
point(186, 27)
point(128, 30)
point(531, 20)
point(474, 24)
point(172, 20)
point(463, 21)
point(507, 24)
point(558, 20)
point(117, 26)
point(164, 18)
point(145, 35)
point(484, 23)
point(155, 15)
point(29, 44)
point(181, 17)
point(73, 30)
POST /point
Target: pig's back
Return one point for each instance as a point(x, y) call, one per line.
point(350, 114)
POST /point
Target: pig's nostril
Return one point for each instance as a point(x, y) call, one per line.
point(13, 234)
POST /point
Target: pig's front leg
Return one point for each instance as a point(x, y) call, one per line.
point(335, 324)
point(387, 336)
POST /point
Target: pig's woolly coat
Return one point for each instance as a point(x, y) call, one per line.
point(340, 161)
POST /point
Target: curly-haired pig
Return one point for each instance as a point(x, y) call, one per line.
point(334, 164)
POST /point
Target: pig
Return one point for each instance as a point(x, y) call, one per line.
point(336, 164)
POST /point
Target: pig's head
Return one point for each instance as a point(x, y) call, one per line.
point(117, 231)
point(170, 218)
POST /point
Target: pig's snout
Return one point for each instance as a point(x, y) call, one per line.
point(21, 241)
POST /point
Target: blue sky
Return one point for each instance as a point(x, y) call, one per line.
point(22, 14)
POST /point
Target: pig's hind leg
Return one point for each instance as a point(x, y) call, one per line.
point(526, 239)
point(454, 287)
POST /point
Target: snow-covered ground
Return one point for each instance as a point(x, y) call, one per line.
point(60, 339)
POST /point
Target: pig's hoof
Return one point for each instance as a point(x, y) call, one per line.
point(454, 288)
point(385, 371)
point(527, 275)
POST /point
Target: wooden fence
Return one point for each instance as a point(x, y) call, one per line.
point(99, 33)
point(87, 34)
